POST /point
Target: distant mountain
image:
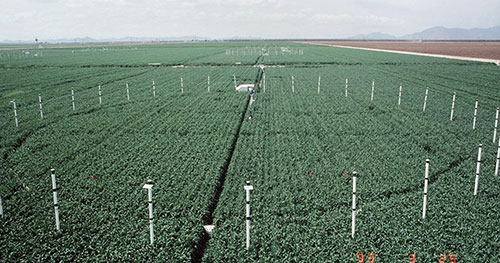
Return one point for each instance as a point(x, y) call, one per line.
point(444, 33)
point(374, 36)
point(123, 39)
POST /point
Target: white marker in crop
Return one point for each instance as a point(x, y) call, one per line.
point(128, 95)
point(234, 81)
point(1, 207)
point(100, 100)
point(248, 188)
point(15, 112)
point(264, 82)
point(293, 84)
point(399, 97)
point(56, 205)
point(425, 99)
point(475, 116)
point(149, 187)
point(346, 86)
point(319, 83)
point(426, 181)
point(452, 106)
point(40, 101)
point(353, 226)
point(154, 89)
point(498, 159)
point(73, 98)
point(208, 83)
point(182, 85)
point(477, 169)
point(373, 89)
point(496, 125)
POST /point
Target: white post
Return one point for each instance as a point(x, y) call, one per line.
point(373, 89)
point(264, 82)
point(234, 81)
point(1, 208)
point(40, 101)
point(425, 99)
point(149, 186)
point(496, 125)
point(73, 98)
point(15, 112)
point(399, 97)
point(54, 192)
point(424, 207)
point(154, 89)
point(128, 95)
point(475, 117)
point(293, 84)
point(452, 106)
point(208, 83)
point(353, 227)
point(319, 83)
point(100, 100)
point(477, 169)
point(498, 159)
point(248, 188)
point(182, 85)
point(346, 86)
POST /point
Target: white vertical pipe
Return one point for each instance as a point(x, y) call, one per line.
point(40, 101)
point(475, 116)
point(496, 126)
point(154, 89)
point(56, 205)
point(128, 95)
point(100, 100)
point(452, 106)
point(208, 83)
point(319, 83)
point(400, 90)
point(248, 188)
point(477, 169)
point(1, 207)
point(346, 86)
point(424, 207)
point(182, 85)
point(15, 112)
point(425, 99)
point(264, 82)
point(498, 159)
point(353, 227)
point(293, 84)
point(373, 89)
point(73, 98)
point(234, 81)
point(149, 187)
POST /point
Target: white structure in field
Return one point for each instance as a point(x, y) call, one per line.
point(245, 87)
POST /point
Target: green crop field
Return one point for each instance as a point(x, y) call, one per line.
point(298, 146)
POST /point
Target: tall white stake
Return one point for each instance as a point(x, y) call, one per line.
point(1, 207)
point(425, 99)
point(373, 89)
point(100, 100)
point(477, 169)
point(399, 97)
point(40, 101)
point(15, 112)
point(475, 117)
point(346, 86)
point(496, 125)
point(182, 85)
point(73, 98)
point(149, 186)
point(293, 84)
point(208, 83)
point(498, 159)
point(319, 83)
point(452, 106)
point(248, 188)
point(128, 95)
point(264, 82)
point(353, 227)
point(154, 89)
point(56, 205)
point(234, 81)
point(424, 207)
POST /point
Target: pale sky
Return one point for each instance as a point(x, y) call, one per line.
point(99, 19)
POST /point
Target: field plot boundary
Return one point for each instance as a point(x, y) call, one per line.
point(486, 60)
